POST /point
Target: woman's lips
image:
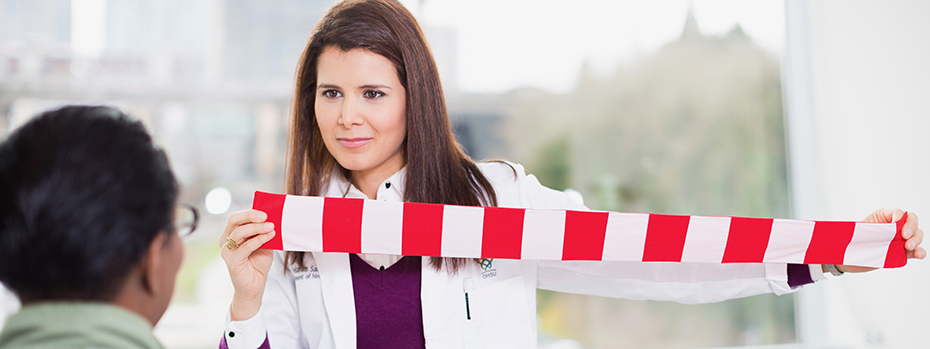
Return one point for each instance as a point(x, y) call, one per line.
point(353, 143)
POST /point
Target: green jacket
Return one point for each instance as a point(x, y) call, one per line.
point(76, 325)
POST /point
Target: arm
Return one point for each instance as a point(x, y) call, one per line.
point(688, 283)
point(264, 290)
point(682, 282)
point(277, 318)
point(700, 283)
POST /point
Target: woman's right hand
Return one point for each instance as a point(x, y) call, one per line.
point(248, 265)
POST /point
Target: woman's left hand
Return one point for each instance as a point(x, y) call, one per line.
point(909, 232)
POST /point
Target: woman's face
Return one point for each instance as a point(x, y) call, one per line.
point(361, 110)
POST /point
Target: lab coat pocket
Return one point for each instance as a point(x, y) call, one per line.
point(499, 316)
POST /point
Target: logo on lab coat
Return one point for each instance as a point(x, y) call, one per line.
point(486, 263)
point(487, 267)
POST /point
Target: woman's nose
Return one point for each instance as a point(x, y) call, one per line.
point(351, 113)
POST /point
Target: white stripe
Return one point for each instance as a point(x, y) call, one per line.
point(302, 223)
point(382, 227)
point(869, 244)
point(462, 231)
point(706, 240)
point(625, 238)
point(543, 234)
point(789, 241)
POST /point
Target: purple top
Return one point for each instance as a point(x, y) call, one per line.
point(799, 275)
point(387, 304)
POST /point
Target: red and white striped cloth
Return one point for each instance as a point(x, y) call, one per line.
point(317, 224)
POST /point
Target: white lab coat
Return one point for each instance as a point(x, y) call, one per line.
point(315, 308)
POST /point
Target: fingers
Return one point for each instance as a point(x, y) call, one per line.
point(912, 245)
point(240, 218)
point(910, 226)
point(884, 215)
point(918, 253)
point(249, 238)
point(914, 237)
point(246, 248)
point(895, 214)
point(246, 236)
point(914, 240)
point(245, 232)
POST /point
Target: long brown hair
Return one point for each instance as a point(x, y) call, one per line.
point(438, 170)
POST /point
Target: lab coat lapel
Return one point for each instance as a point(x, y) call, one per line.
point(338, 296)
point(433, 285)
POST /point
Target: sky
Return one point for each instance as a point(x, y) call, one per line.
point(507, 44)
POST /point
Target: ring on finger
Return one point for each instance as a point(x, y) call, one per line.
point(231, 244)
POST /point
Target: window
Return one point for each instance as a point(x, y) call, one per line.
point(666, 107)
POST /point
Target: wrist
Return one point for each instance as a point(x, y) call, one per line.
point(244, 308)
point(833, 269)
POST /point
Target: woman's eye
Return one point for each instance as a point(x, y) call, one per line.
point(373, 94)
point(331, 94)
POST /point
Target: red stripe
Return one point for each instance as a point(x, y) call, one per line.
point(665, 238)
point(273, 206)
point(503, 233)
point(584, 235)
point(897, 254)
point(828, 244)
point(747, 240)
point(422, 234)
point(342, 225)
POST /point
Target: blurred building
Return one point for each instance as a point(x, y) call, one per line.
point(263, 39)
point(210, 78)
point(35, 44)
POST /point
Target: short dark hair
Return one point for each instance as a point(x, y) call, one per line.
point(83, 193)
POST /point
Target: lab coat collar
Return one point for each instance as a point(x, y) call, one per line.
point(398, 181)
point(339, 186)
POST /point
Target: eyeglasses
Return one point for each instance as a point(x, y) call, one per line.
point(185, 219)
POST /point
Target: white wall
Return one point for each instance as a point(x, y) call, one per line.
point(858, 76)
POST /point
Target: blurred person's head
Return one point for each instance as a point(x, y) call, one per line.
point(87, 205)
point(368, 98)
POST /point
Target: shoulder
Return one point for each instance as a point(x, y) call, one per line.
point(507, 180)
point(501, 172)
point(515, 188)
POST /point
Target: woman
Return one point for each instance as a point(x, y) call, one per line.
point(369, 121)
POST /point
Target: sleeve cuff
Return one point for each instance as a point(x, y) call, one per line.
point(817, 272)
point(786, 278)
point(777, 276)
point(246, 334)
